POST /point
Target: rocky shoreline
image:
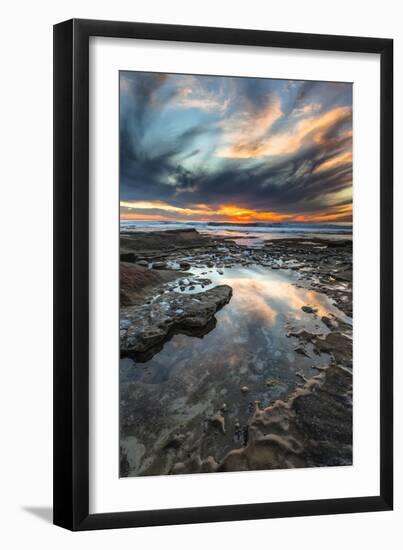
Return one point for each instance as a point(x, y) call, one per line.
point(166, 289)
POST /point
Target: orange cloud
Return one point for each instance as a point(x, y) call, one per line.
point(163, 206)
point(339, 160)
point(161, 211)
point(249, 127)
point(240, 214)
point(126, 216)
point(330, 214)
point(311, 129)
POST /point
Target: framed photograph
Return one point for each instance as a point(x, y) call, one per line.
point(223, 322)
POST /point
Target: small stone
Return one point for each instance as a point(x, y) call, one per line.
point(159, 265)
point(270, 382)
point(218, 421)
point(244, 389)
point(175, 442)
point(309, 309)
point(330, 323)
point(142, 263)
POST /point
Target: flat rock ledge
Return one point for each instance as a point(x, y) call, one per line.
point(143, 327)
point(313, 428)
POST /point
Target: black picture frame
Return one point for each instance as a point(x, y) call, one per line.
point(71, 274)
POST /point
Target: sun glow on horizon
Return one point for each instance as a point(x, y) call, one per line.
point(231, 213)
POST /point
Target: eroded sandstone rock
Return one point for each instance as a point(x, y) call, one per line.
point(312, 428)
point(145, 326)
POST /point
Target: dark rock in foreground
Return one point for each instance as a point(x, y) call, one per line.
point(337, 344)
point(144, 326)
point(312, 428)
point(308, 309)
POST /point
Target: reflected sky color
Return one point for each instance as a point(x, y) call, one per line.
point(251, 331)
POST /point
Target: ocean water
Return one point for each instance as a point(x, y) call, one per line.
point(258, 231)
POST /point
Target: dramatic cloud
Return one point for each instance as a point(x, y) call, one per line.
point(247, 132)
point(223, 148)
point(259, 142)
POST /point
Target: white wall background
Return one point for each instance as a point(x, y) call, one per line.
point(26, 274)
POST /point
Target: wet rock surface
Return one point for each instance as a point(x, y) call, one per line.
point(145, 326)
point(313, 428)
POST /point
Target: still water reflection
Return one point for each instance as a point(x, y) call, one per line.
point(190, 378)
point(251, 331)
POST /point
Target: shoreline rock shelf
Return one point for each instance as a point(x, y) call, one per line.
point(192, 430)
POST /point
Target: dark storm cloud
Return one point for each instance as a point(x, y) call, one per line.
point(290, 186)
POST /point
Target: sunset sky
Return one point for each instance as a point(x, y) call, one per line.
point(211, 148)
